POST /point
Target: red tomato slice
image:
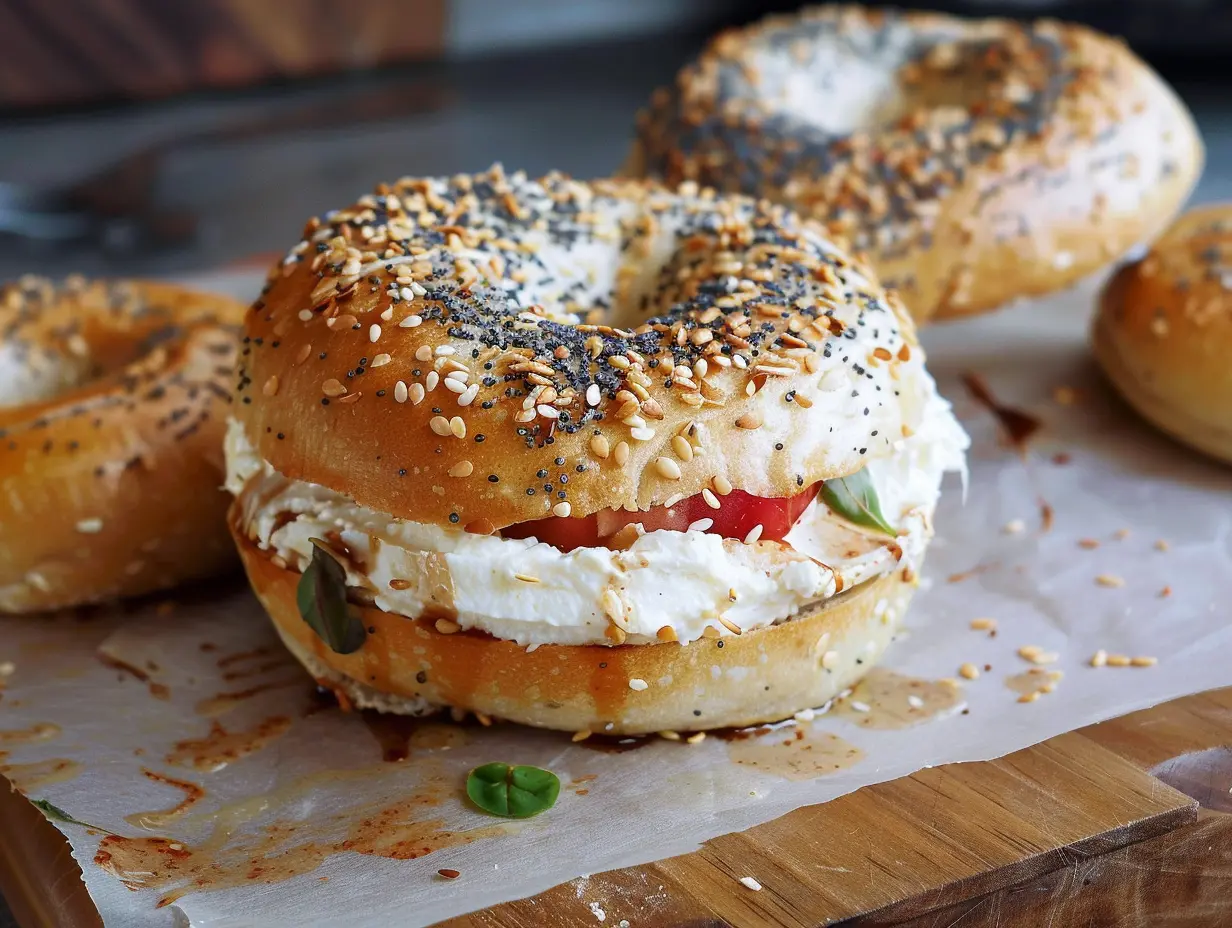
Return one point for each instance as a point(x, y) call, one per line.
point(738, 514)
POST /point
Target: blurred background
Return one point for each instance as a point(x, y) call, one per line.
point(143, 136)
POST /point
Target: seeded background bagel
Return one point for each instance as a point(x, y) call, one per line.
point(113, 404)
point(764, 675)
point(1163, 331)
point(974, 161)
point(573, 347)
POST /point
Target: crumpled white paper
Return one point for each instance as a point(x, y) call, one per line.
point(1160, 514)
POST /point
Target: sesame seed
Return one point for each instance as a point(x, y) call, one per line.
point(969, 671)
point(858, 706)
point(1118, 660)
point(983, 625)
point(667, 468)
point(613, 606)
point(562, 509)
point(1029, 697)
point(416, 393)
point(701, 525)
point(695, 738)
point(305, 315)
point(462, 469)
point(410, 322)
point(729, 625)
point(682, 447)
point(400, 392)
point(1143, 661)
point(444, 351)
point(440, 425)
point(455, 385)
point(1099, 658)
point(381, 360)
point(754, 534)
point(374, 332)
point(579, 736)
point(749, 421)
point(526, 578)
point(1109, 580)
point(1037, 655)
point(621, 453)
point(332, 387)
point(423, 353)
point(749, 883)
point(829, 660)
point(722, 485)
point(599, 447)
point(90, 526)
point(669, 735)
point(468, 397)
point(914, 701)
point(710, 499)
point(1014, 526)
point(447, 626)
point(638, 685)
point(1161, 545)
point(593, 395)
point(1090, 544)
point(641, 434)
point(457, 427)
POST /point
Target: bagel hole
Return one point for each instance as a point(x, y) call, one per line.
point(866, 82)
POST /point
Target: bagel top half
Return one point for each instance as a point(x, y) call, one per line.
point(482, 350)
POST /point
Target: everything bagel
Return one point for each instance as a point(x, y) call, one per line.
point(974, 161)
point(111, 421)
point(544, 412)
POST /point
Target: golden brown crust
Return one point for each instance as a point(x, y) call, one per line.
point(1163, 331)
point(438, 372)
point(1017, 158)
point(763, 675)
point(111, 426)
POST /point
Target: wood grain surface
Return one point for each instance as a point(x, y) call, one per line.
point(73, 51)
point(1126, 823)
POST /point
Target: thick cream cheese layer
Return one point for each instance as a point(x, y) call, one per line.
point(533, 593)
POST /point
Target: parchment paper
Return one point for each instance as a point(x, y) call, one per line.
point(1107, 477)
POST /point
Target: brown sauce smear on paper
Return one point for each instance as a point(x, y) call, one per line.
point(192, 794)
point(157, 690)
point(221, 747)
point(1034, 680)
point(1019, 427)
point(801, 752)
point(39, 773)
point(402, 830)
point(399, 737)
point(222, 703)
point(884, 698)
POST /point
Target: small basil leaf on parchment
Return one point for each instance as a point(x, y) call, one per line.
point(512, 792)
point(322, 600)
point(56, 814)
point(854, 498)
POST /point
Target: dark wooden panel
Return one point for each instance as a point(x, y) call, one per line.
point(73, 51)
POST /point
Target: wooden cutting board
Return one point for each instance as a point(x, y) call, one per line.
point(1128, 822)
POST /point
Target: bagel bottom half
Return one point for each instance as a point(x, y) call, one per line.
point(764, 675)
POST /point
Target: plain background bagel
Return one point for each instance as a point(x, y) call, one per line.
point(974, 161)
point(1163, 331)
point(110, 439)
point(763, 675)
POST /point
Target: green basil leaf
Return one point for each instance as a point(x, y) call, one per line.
point(56, 814)
point(854, 498)
point(321, 597)
point(512, 792)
